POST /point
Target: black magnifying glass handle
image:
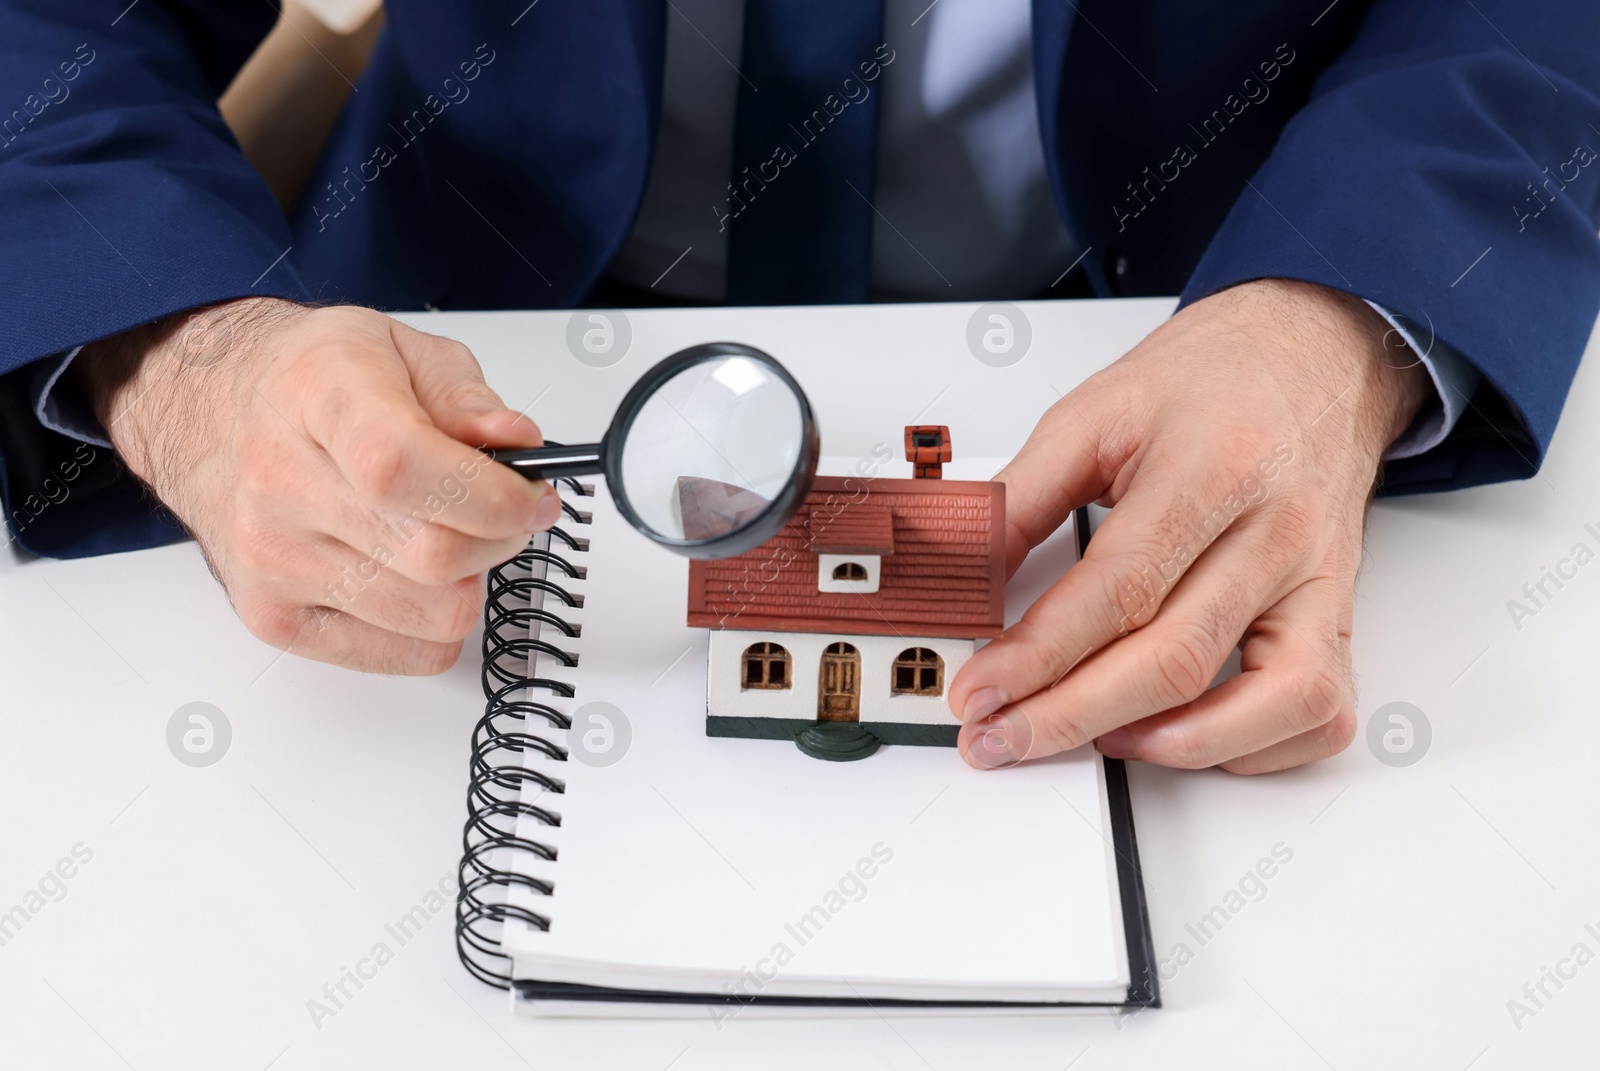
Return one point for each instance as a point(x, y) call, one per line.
point(554, 461)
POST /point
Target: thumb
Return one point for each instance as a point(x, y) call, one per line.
point(449, 385)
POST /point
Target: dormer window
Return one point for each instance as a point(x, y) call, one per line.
point(846, 573)
point(850, 540)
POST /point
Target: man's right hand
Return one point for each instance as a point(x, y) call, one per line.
point(327, 462)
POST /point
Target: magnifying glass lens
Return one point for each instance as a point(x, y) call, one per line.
point(711, 448)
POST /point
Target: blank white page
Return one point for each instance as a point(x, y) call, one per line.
point(699, 864)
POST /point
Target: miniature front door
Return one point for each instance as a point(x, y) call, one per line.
point(839, 684)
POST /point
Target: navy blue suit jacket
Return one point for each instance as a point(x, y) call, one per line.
point(1379, 147)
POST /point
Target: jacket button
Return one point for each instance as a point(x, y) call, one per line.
point(1117, 272)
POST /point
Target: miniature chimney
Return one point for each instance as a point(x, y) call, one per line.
point(927, 448)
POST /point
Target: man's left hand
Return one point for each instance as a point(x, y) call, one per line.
point(1240, 444)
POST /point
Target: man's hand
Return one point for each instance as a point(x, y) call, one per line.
point(1240, 444)
point(326, 461)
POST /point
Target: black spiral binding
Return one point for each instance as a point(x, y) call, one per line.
point(523, 591)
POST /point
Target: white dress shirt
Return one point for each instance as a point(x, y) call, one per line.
point(964, 208)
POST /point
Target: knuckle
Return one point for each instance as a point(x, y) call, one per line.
point(1247, 766)
point(437, 555)
point(1317, 700)
point(391, 610)
point(446, 615)
point(375, 461)
point(464, 365)
point(1343, 733)
point(274, 623)
point(443, 612)
point(458, 618)
point(1184, 662)
point(463, 392)
point(1053, 731)
point(1131, 592)
point(456, 351)
point(502, 500)
point(1340, 731)
point(339, 322)
point(431, 659)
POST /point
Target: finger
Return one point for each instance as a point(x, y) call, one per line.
point(419, 545)
point(433, 553)
point(380, 596)
point(278, 565)
point(327, 635)
point(1292, 702)
point(1066, 462)
point(1167, 664)
point(449, 386)
point(302, 492)
point(1320, 743)
point(369, 422)
point(1141, 552)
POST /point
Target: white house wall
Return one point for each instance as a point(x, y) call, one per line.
point(725, 698)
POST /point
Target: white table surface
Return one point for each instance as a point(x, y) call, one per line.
point(219, 900)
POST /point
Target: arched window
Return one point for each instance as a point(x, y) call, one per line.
point(850, 571)
point(918, 671)
point(766, 665)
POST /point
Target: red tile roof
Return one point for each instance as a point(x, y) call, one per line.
point(857, 530)
point(946, 576)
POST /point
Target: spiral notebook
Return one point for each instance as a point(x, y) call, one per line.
point(620, 861)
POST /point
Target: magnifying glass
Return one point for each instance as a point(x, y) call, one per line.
point(710, 452)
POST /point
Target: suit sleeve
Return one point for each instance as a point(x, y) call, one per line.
point(126, 200)
point(1446, 169)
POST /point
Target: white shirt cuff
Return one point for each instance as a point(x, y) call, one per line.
point(1454, 381)
point(62, 407)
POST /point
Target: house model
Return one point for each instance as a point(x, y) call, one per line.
point(844, 631)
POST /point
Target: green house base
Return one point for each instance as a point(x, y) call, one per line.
point(829, 742)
